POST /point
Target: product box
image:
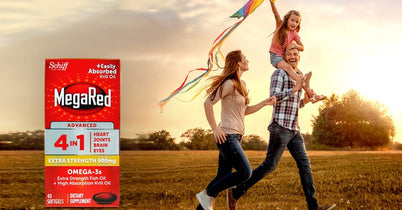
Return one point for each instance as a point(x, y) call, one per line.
point(82, 132)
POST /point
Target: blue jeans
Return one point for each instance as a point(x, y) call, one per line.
point(280, 138)
point(231, 155)
point(275, 59)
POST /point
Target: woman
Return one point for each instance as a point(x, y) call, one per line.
point(228, 88)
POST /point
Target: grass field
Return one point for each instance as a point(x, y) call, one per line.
point(170, 180)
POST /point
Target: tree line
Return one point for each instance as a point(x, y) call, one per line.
point(193, 139)
point(352, 121)
point(29, 140)
point(346, 122)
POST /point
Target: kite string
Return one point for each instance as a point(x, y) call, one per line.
point(250, 7)
point(217, 44)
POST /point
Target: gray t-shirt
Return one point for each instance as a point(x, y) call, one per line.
point(233, 108)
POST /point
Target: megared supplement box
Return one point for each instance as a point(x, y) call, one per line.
point(82, 132)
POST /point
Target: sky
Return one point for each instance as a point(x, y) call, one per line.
point(348, 45)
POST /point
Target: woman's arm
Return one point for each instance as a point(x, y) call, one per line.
point(227, 87)
point(220, 136)
point(255, 108)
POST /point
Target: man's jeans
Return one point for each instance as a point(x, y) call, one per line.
point(280, 138)
point(231, 155)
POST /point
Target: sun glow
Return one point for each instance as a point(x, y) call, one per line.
point(377, 82)
point(376, 79)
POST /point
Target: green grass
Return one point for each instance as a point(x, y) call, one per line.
point(170, 180)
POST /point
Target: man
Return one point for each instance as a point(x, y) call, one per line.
point(284, 132)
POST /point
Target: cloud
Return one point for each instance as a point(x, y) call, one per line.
point(24, 19)
point(152, 48)
point(159, 41)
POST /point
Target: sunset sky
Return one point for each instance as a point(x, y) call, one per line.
point(348, 45)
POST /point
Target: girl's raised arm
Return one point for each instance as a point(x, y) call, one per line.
point(276, 14)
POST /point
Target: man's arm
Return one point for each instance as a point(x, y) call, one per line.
point(277, 86)
point(305, 100)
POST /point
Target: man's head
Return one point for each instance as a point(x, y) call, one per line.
point(292, 56)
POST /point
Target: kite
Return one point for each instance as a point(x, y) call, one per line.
point(244, 12)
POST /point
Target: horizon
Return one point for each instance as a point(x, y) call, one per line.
point(348, 45)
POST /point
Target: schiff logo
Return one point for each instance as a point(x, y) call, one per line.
point(59, 66)
point(82, 98)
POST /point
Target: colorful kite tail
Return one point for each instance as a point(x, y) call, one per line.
point(246, 10)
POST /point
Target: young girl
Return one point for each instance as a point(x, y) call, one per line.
point(231, 91)
point(285, 36)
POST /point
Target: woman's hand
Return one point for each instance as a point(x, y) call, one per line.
point(220, 136)
point(255, 108)
point(270, 101)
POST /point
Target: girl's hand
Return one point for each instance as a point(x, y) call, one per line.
point(295, 45)
point(291, 46)
point(220, 136)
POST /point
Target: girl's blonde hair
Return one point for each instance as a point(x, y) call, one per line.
point(229, 72)
point(280, 33)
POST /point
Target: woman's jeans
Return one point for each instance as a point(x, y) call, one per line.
point(280, 138)
point(231, 155)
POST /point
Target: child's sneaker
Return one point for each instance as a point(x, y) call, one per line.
point(317, 98)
